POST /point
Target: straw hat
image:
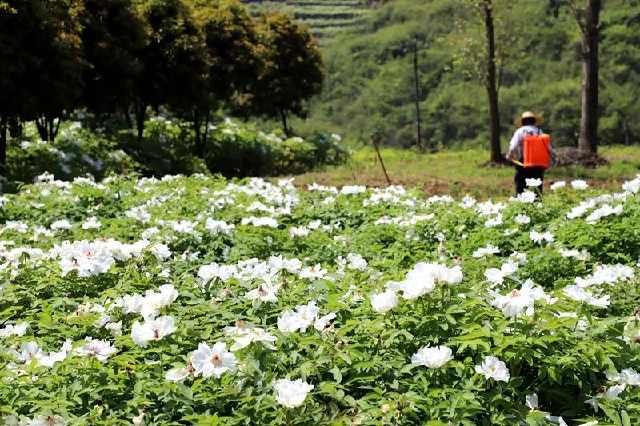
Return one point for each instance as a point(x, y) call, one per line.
point(528, 114)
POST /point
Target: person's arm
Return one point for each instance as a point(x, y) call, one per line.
point(514, 146)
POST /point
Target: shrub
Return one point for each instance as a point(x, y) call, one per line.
point(75, 152)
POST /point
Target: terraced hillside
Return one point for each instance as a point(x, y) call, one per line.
point(324, 17)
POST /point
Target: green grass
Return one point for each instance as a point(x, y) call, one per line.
point(460, 172)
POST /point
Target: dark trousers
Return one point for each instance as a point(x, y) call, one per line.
point(523, 173)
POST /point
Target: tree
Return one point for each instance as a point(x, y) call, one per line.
point(588, 20)
point(620, 115)
point(112, 38)
point(41, 57)
point(292, 69)
point(491, 83)
point(173, 59)
point(484, 61)
point(231, 42)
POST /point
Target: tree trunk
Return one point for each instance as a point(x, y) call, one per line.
point(285, 128)
point(3, 147)
point(197, 129)
point(140, 116)
point(127, 117)
point(206, 127)
point(416, 77)
point(41, 125)
point(491, 84)
point(588, 140)
point(53, 127)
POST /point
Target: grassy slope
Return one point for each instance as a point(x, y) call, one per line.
point(325, 18)
point(459, 172)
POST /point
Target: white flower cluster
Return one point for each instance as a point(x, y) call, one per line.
point(31, 353)
point(303, 317)
point(604, 211)
point(291, 393)
point(394, 194)
point(408, 220)
point(14, 329)
point(606, 274)
point(436, 357)
point(91, 258)
point(488, 250)
point(541, 237)
point(496, 276)
point(421, 280)
point(521, 301)
point(632, 186)
point(245, 334)
point(592, 203)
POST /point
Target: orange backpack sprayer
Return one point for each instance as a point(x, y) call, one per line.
point(536, 150)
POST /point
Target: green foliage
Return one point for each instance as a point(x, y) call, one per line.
point(370, 83)
point(235, 150)
point(112, 37)
point(75, 152)
point(41, 56)
point(166, 147)
point(231, 149)
point(360, 366)
point(292, 69)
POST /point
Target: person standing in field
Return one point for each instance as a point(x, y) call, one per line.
point(530, 151)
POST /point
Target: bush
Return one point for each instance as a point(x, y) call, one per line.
point(166, 148)
point(75, 152)
point(235, 150)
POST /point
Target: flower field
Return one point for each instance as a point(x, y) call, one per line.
point(197, 300)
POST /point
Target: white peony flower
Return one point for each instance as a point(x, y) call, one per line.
point(264, 293)
point(177, 374)
point(14, 330)
point(579, 294)
point(526, 197)
point(541, 237)
point(299, 231)
point(218, 227)
point(91, 223)
point(63, 224)
point(520, 301)
point(486, 251)
point(383, 302)
point(45, 421)
point(152, 330)
point(244, 335)
point(291, 393)
point(432, 357)
point(533, 183)
point(101, 349)
point(212, 360)
point(161, 251)
point(579, 184)
point(493, 368)
point(557, 185)
point(323, 322)
point(522, 219)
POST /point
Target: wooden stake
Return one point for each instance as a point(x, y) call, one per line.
point(376, 142)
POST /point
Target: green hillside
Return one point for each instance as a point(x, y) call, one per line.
point(325, 18)
point(370, 81)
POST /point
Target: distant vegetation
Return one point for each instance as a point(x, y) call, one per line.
point(370, 80)
point(325, 18)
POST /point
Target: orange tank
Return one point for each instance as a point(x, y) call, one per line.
point(536, 151)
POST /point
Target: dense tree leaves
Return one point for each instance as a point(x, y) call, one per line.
point(112, 37)
point(292, 68)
